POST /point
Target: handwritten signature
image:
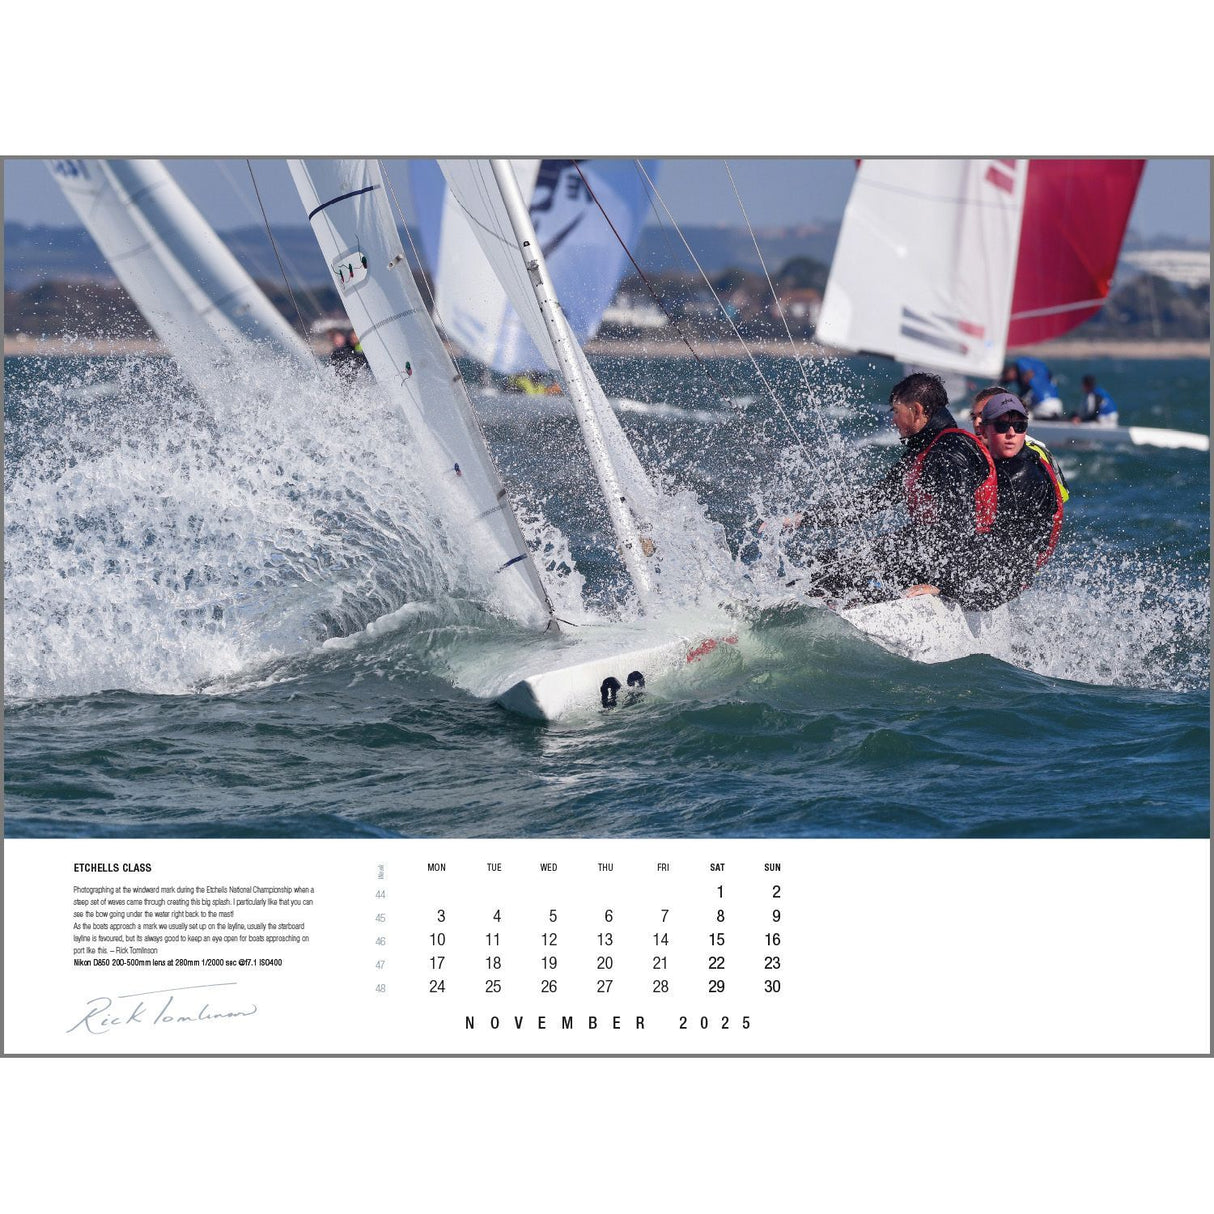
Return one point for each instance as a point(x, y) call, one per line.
point(168, 1006)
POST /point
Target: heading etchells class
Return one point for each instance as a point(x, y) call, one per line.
point(143, 867)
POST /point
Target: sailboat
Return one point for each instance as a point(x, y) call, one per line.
point(583, 249)
point(586, 214)
point(924, 627)
point(200, 301)
point(349, 210)
point(945, 264)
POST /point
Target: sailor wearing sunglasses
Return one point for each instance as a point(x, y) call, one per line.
point(1028, 518)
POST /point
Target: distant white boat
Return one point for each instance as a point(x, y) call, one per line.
point(1086, 435)
point(1091, 434)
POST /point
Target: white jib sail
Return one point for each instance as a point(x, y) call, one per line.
point(468, 298)
point(351, 217)
point(926, 262)
point(201, 302)
point(619, 470)
point(472, 182)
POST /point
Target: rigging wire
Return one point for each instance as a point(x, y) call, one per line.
point(673, 259)
point(758, 370)
point(771, 286)
point(266, 220)
point(243, 199)
point(641, 273)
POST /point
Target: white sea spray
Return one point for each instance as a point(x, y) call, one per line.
point(156, 541)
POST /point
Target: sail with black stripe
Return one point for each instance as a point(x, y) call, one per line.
point(351, 217)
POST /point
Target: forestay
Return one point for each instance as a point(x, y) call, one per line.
point(352, 219)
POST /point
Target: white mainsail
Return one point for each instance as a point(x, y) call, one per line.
point(201, 302)
point(926, 262)
point(584, 255)
point(349, 211)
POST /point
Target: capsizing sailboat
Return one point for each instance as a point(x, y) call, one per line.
point(350, 213)
point(946, 264)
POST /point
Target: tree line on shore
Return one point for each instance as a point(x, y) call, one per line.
point(1146, 308)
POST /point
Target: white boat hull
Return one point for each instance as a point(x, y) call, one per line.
point(927, 628)
point(608, 674)
point(1057, 434)
point(602, 682)
point(1091, 434)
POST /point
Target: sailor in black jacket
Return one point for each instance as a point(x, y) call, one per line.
point(946, 481)
point(1029, 514)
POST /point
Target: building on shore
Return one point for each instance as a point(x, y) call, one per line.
point(1185, 267)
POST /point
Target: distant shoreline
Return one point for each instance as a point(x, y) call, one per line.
point(16, 346)
point(1076, 348)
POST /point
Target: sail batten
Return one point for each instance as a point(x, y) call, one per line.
point(340, 198)
point(357, 236)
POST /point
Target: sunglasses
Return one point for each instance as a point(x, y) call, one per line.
point(1008, 422)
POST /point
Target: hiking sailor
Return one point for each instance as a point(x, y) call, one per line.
point(945, 480)
point(1032, 495)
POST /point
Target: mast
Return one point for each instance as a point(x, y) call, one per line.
point(632, 547)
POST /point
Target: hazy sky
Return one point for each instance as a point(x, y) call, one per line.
point(1173, 199)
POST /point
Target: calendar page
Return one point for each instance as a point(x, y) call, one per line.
point(452, 616)
point(606, 947)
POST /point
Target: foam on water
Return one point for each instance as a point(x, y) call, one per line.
point(155, 541)
point(160, 542)
point(1103, 612)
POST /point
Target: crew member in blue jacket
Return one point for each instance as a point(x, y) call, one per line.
point(1034, 385)
point(1098, 405)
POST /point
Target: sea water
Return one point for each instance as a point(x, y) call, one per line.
point(249, 618)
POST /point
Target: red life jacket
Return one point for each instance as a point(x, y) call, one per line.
point(986, 496)
point(1057, 527)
